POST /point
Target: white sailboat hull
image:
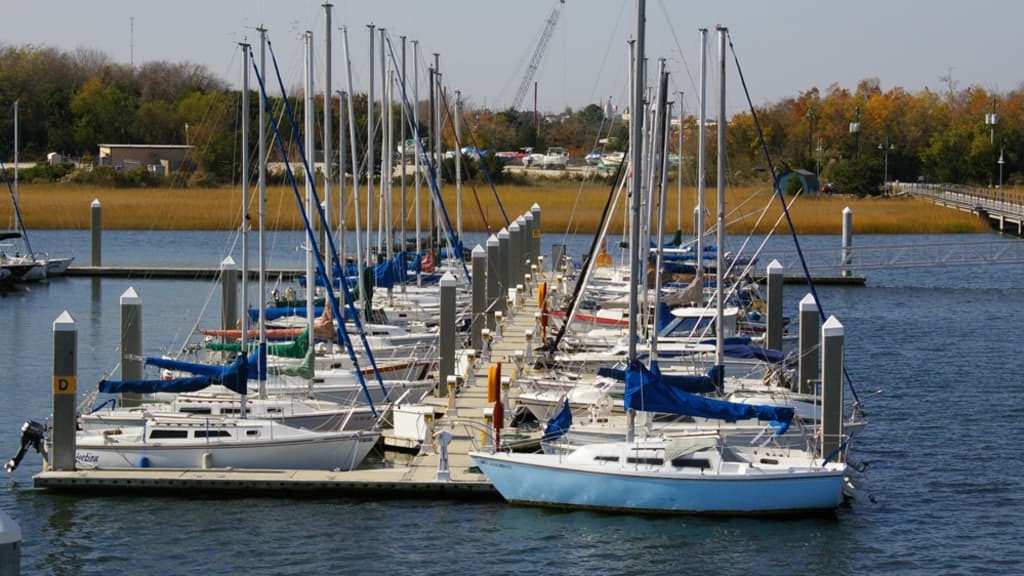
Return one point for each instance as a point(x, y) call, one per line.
point(133, 448)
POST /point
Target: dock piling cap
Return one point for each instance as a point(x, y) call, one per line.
point(10, 532)
point(64, 322)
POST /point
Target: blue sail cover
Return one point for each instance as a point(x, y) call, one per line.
point(559, 425)
point(176, 385)
point(646, 390)
point(391, 272)
point(275, 312)
point(233, 376)
point(691, 384)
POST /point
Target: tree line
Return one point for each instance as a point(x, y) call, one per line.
point(70, 102)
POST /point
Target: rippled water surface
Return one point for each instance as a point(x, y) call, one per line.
point(934, 354)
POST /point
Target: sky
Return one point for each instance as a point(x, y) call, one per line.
point(784, 47)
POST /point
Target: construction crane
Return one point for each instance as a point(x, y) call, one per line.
point(538, 54)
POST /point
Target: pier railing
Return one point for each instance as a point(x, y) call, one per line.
point(970, 198)
point(827, 260)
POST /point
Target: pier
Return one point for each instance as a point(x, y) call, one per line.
point(1002, 209)
point(447, 425)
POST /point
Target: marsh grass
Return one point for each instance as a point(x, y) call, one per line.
point(566, 206)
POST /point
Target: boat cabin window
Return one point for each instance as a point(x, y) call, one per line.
point(211, 434)
point(606, 458)
point(194, 410)
point(643, 460)
point(163, 434)
point(226, 410)
point(252, 433)
point(682, 462)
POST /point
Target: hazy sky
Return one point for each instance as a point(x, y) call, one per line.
point(784, 46)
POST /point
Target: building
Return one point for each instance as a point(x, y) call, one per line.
point(163, 158)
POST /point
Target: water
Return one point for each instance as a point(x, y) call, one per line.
point(942, 492)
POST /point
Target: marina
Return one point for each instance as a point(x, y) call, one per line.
point(401, 397)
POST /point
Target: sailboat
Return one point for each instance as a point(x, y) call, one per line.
point(27, 266)
point(699, 473)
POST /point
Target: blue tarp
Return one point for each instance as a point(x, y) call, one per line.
point(233, 376)
point(691, 384)
point(740, 347)
point(646, 390)
point(559, 425)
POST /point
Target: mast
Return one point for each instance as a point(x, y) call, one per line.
point(416, 161)
point(720, 256)
point(307, 44)
point(328, 137)
point(342, 168)
point(245, 213)
point(636, 135)
point(383, 193)
point(404, 120)
point(701, 157)
point(659, 150)
point(458, 163)
point(355, 159)
point(262, 175)
point(679, 172)
point(369, 169)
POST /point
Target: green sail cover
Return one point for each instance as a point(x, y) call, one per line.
point(295, 349)
point(303, 369)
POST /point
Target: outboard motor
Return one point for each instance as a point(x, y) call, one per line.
point(32, 434)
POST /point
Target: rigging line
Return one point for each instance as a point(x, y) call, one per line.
point(432, 171)
point(682, 56)
point(579, 190)
point(17, 211)
point(588, 264)
point(487, 174)
point(614, 39)
point(782, 201)
point(465, 165)
point(335, 308)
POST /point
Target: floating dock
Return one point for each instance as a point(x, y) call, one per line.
point(423, 476)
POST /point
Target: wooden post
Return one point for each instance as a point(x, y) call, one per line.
point(535, 231)
point(513, 270)
point(229, 294)
point(773, 340)
point(832, 387)
point(96, 230)
point(493, 275)
point(503, 277)
point(479, 260)
point(529, 256)
point(446, 366)
point(810, 335)
point(131, 343)
point(65, 397)
point(847, 240)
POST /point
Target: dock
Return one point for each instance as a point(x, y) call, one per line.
point(421, 477)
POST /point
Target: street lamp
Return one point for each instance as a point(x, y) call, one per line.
point(991, 120)
point(855, 130)
point(885, 148)
point(818, 164)
point(1001, 162)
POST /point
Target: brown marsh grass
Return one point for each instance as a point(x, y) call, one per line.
point(565, 206)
